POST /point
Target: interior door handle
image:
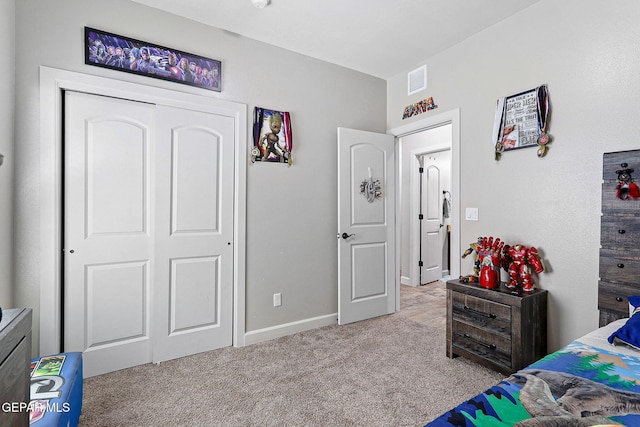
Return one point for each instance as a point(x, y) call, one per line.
point(345, 235)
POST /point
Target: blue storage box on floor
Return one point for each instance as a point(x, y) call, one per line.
point(56, 390)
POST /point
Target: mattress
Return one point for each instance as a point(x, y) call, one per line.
point(587, 383)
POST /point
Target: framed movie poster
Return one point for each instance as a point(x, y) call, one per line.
point(108, 50)
point(272, 136)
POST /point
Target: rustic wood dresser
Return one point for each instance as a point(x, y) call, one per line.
point(498, 328)
point(619, 240)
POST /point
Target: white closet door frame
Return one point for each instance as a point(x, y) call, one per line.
point(52, 84)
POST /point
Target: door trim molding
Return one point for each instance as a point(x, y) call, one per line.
point(448, 117)
point(52, 84)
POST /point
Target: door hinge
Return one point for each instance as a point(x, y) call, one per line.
point(420, 263)
point(421, 170)
point(420, 217)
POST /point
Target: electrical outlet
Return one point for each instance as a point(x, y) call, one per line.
point(277, 299)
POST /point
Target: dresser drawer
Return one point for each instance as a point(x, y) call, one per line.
point(620, 231)
point(612, 205)
point(619, 265)
point(613, 296)
point(481, 342)
point(611, 163)
point(482, 313)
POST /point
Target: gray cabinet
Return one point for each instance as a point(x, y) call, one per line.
point(15, 357)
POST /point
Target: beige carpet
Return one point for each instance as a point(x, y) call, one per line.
point(388, 371)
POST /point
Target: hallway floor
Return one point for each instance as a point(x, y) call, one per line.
point(424, 304)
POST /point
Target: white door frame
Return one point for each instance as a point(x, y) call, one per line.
point(448, 117)
point(52, 84)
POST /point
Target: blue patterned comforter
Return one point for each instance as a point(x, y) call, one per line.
point(579, 385)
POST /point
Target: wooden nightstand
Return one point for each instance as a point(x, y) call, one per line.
point(499, 329)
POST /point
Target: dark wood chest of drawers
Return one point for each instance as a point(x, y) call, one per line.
point(619, 240)
point(499, 329)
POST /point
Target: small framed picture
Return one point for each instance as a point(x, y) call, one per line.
point(272, 136)
point(521, 121)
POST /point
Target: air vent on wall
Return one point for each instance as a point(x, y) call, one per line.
point(417, 80)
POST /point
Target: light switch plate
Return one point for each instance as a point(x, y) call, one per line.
point(471, 214)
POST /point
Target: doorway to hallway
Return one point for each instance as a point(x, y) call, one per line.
point(425, 208)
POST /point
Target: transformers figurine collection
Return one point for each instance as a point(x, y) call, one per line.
point(491, 255)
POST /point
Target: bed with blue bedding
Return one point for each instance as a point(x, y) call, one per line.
point(594, 381)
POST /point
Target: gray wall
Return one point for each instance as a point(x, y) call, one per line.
point(587, 53)
point(291, 212)
point(7, 33)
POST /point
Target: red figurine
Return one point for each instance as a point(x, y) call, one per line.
point(517, 261)
point(489, 256)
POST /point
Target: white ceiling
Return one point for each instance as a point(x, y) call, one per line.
point(378, 37)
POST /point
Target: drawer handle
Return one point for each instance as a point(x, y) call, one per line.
point(622, 231)
point(480, 313)
point(620, 265)
point(619, 299)
point(489, 346)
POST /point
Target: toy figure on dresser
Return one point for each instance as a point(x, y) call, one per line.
point(490, 257)
point(518, 260)
point(627, 189)
point(473, 247)
point(487, 263)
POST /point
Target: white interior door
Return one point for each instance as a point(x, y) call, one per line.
point(431, 238)
point(148, 231)
point(366, 225)
point(194, 232)
point(108, 231)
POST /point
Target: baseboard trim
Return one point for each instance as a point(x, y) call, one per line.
point(266, 334)
point(407, 281)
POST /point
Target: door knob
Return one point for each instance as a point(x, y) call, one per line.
point(345, 235)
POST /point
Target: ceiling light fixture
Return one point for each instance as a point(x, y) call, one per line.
point(260, 4)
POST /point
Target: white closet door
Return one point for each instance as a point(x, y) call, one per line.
point(431, 243)
point(194, 265)
point(148, 231)
point(108, 231)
